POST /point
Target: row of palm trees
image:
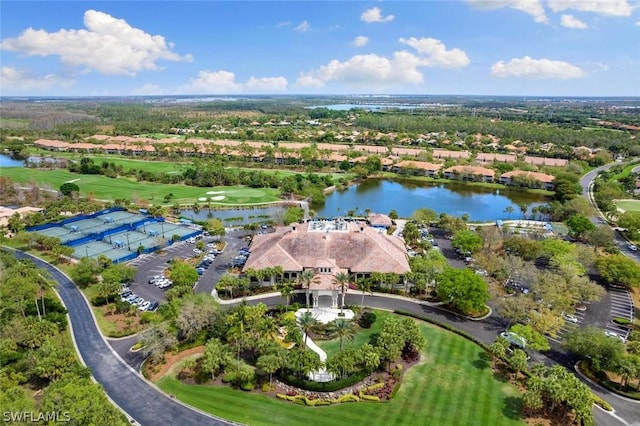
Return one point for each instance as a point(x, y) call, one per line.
point(538, 212)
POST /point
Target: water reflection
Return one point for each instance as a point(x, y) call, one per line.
point(480, 203)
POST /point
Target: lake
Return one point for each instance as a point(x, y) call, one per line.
point(382, 196)
point(247, 215)
point(455, 199)
point(6, 161)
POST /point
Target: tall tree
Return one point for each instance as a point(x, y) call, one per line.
point(216, 357)
point(342, 329)
point(307, 322)
point(342, 279)
point(305, 278)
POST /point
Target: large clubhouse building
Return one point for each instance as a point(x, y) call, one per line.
point(329, 247)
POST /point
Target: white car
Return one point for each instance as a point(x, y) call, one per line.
point(197, 251)
point(569, 318)
point(632, 247)
point(612, 334)
point(144, 305)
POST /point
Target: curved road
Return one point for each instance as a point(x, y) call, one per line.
point(586, 182)
point(140, 400)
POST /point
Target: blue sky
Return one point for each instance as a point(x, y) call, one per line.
point(460, 47)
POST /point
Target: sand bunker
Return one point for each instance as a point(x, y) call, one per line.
point(218, 197)
point(215, 192)
point(202, 199)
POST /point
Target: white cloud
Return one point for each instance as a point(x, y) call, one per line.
point(365, 70)
point(303, 27)
point(536, 68)
point(18, 81)
point(570, 21)
point(224, 82)
point(108, 45)
point(638, 24)
point(403, 67)
point(602, 7)
point(434, 53)
point(375, 15)
point(531, 7)
point(283, 24)
point(360, 41)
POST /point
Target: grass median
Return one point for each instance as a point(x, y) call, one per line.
point(454, 385)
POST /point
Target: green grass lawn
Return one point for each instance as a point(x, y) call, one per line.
point(105, 188)
point(332, 347)
point(453, 386)
point(628, 205)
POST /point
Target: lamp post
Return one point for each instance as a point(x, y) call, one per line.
point(162, 226)
point(128, 244)
point(86, 250)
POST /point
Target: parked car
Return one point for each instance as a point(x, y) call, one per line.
point(144, 305)
point(612, 334)
point(137, 301)
point(200, 271)
point(197, 251)
point(632, 247)
point(153, 306)
point(569, 318)
point(514, 339)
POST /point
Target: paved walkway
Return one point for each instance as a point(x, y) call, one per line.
point(322, 375)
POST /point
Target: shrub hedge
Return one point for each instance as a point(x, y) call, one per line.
point(333, 386)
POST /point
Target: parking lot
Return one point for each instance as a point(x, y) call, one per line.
point(155, 264)
point(621, 306)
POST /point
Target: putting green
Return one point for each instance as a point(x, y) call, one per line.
point(628, 205)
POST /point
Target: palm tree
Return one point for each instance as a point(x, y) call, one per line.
point(307, 322)
point(523, 210)
point(342, 278)
point(498, 349)
point(518, 362)
point(364, 285)
point(305, 279)
point(286, 291)
point(343, 329)
point(508, 210)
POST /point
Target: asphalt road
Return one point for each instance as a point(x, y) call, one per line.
point(140, 400)
point(586, 181)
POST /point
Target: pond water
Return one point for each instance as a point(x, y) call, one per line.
point(382, 196)
point(455, 199)
point(6, 161)
point(240, 216)
point(368, 107)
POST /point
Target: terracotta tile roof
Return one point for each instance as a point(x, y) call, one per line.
point(407, 151)
point(379, 219)
point(371, 148)
point(472, 170)
point(51, 143)
point(443, 153)
point(541, 177)
point(483, 156)
point(386, 161)
point(557, 162)
point(422, 165)
point(356, 251)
